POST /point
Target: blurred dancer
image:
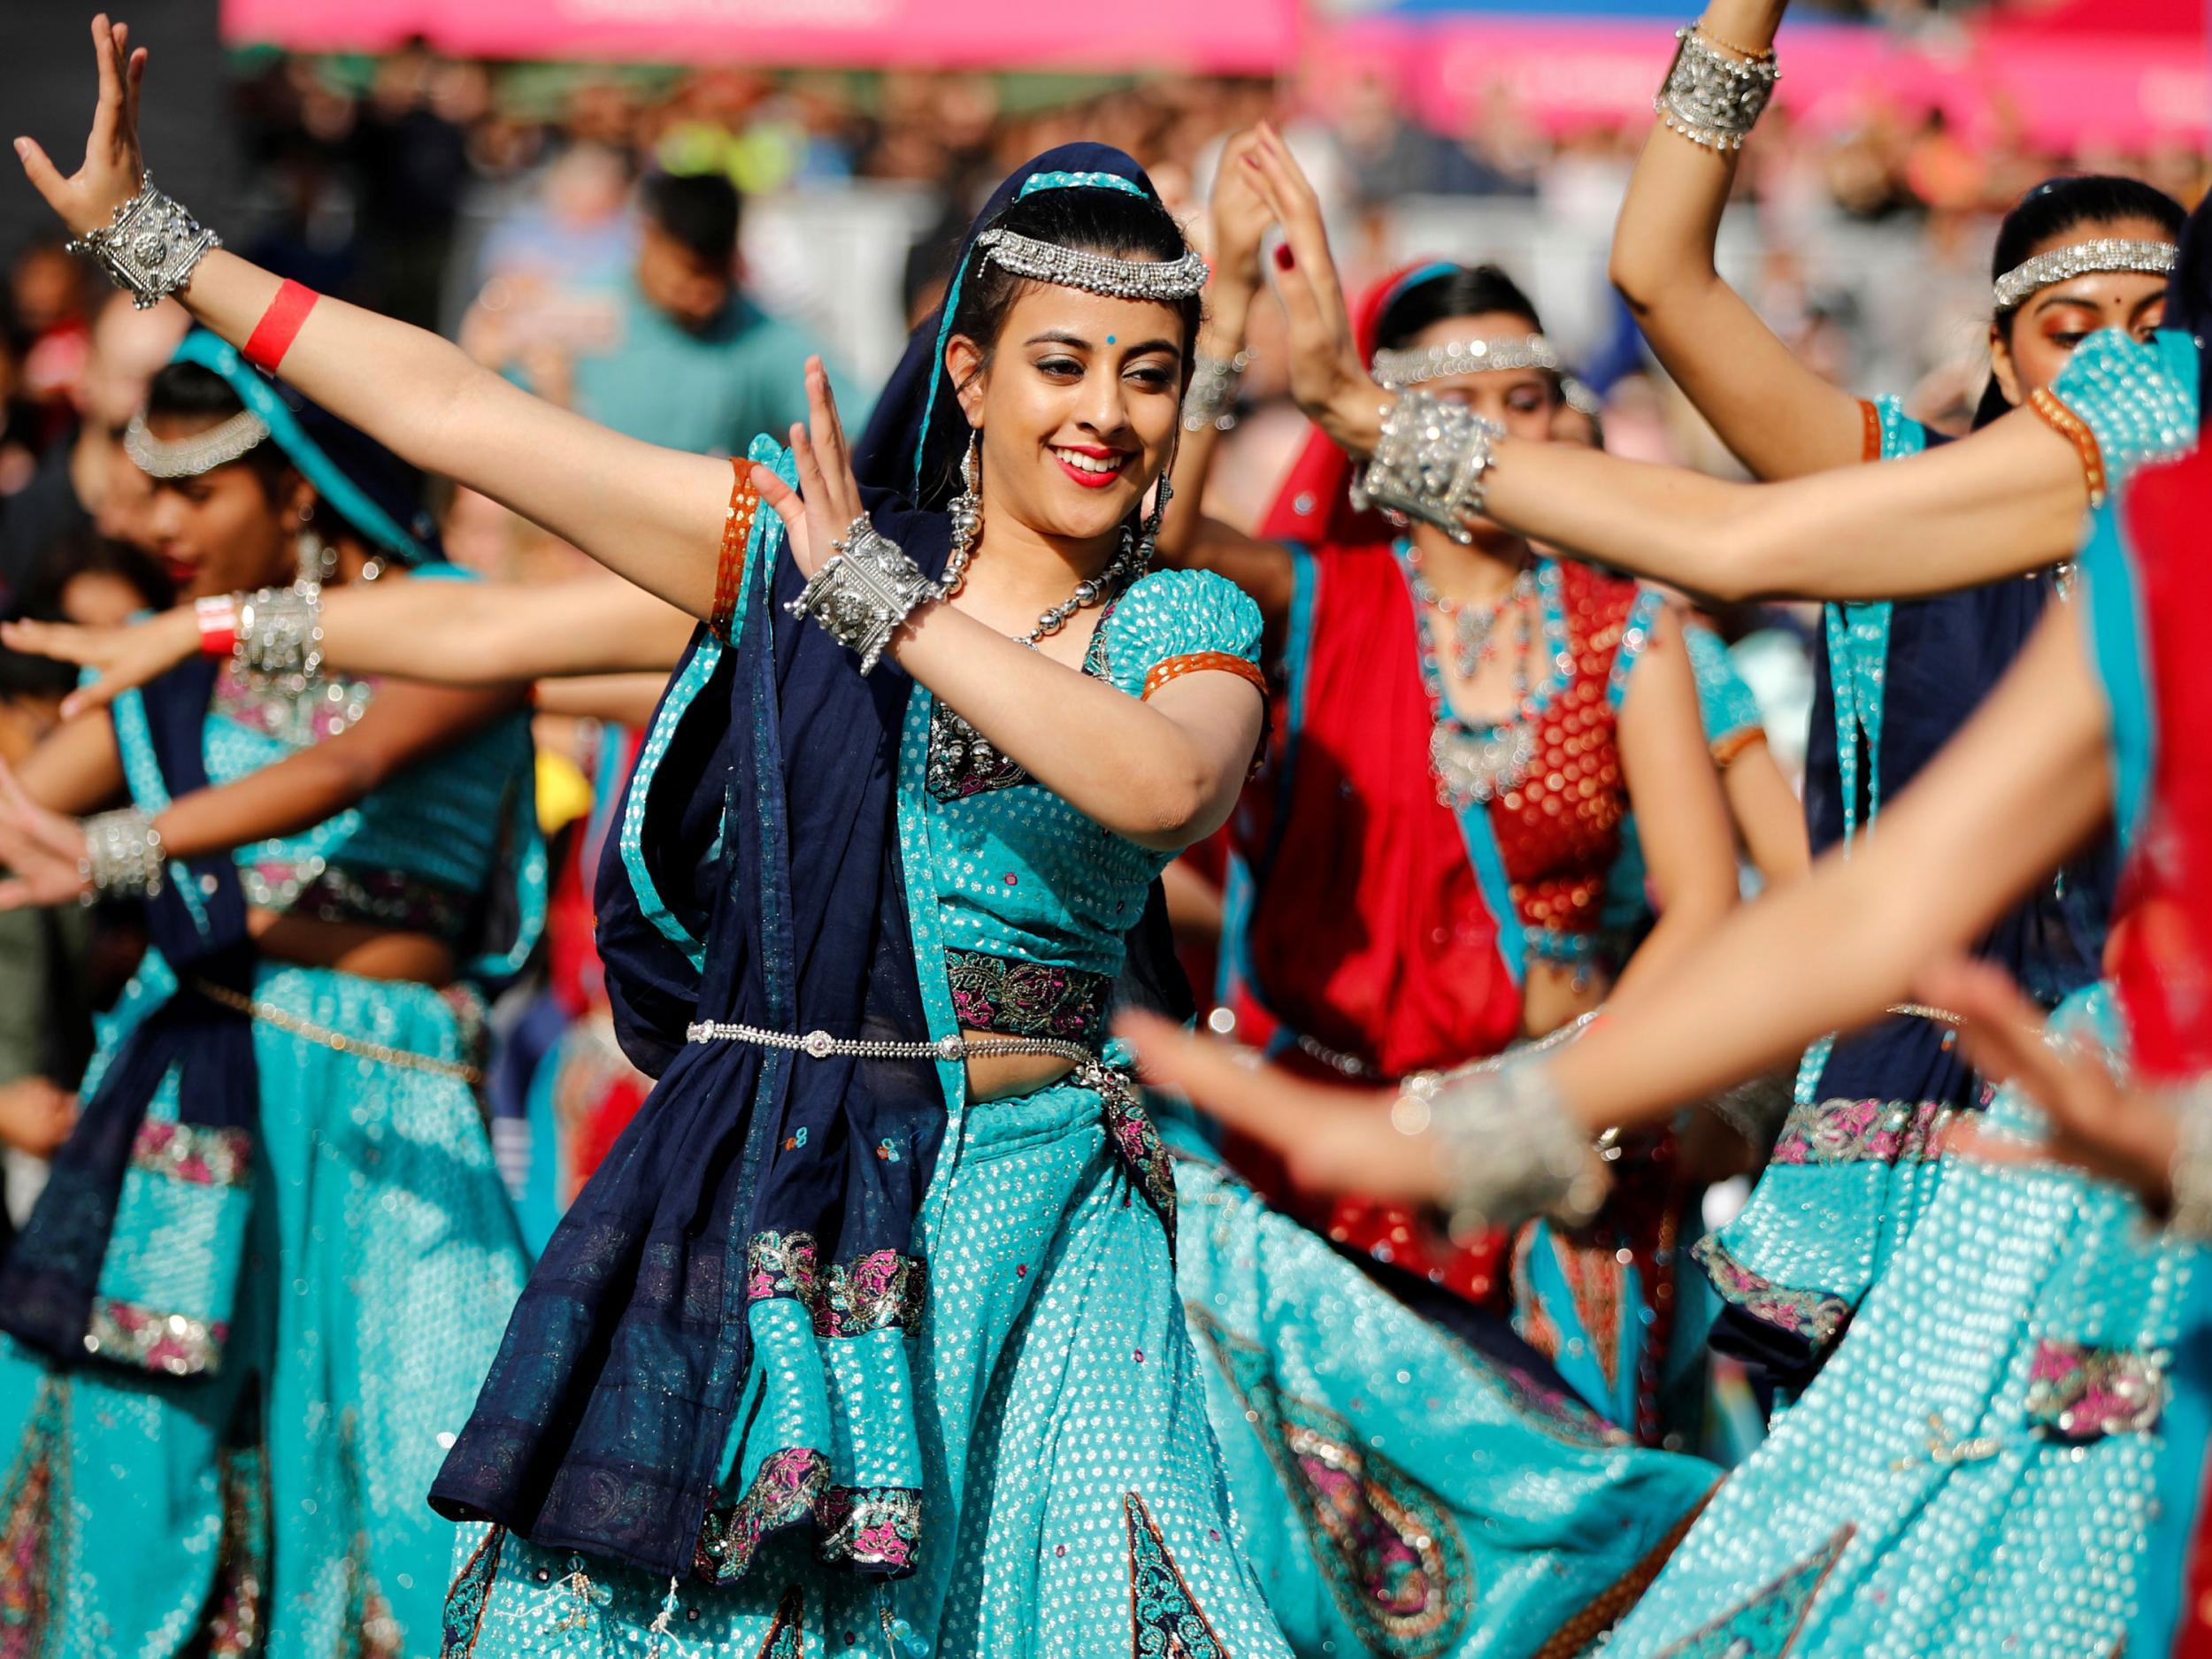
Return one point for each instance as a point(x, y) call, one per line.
point(1896, 680)
point(1911, 1502)
point(1421, 875)
point(270, 1264)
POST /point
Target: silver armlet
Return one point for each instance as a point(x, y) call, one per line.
point(1432, 463)
point(150, 248)
point(123, 855)
point(1212, 398)
point(281, 634)
point(866, 591)
point(1710, 97)
point(2190, 1217)
point(1509, 1150)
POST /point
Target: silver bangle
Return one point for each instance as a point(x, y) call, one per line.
point(1212, 398)
point(2190, 1215)
point(1508, 1148)
point(150, 248)
point(281, 634)
point(1710, 98)
point(123, 855)
point(866, 591)
point(1432, 463)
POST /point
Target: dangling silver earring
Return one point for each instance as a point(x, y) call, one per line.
point(316, 560)
point(967, 509)
point(1148, 541)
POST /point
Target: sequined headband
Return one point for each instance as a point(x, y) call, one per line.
point(202, 452)
point(1396, 369)
point(1095, 273)
point(2084, 258)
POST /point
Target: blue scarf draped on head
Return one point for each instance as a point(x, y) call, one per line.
point(128, 1170)
point(755, 877)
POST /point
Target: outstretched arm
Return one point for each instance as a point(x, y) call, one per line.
point(2008, 500)
point(444, 633)
point(1780, 417)
point(651, 514)
point(41, 846)
point(2022, 785)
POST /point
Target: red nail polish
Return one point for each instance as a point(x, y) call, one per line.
point(1285, 260)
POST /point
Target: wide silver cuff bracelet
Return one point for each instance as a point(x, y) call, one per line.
point(150, 248)
point(1712, 98)
point(281, 633)
point(2190, 1217)
point(1431, 462)
point(1509, 1147)
point(865, 592)
point(123, 855)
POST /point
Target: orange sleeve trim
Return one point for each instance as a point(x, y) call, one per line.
point(1871, 414)
point(2075, 430)
point(1725, 751)
point(1205, 661)
point(737, 533)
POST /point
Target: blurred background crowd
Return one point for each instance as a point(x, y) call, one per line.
point(657, 225)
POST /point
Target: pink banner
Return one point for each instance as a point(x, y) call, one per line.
point(1214, 36)
point(2065, 91)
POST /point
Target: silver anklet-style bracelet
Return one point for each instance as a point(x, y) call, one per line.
point(865, 592)
point(1509, 1150)
point(150, 248)
point(1212, 398)
point(1710, 98)
point(281, 633)
point(2191, 1216)
point(123, 855)
point(1432, 463)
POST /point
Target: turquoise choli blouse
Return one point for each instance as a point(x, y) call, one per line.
point(422, 853)
point(1034, 899)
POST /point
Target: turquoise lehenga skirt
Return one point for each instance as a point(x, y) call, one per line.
point(2000, 1456)
point(275, 1504)
point(1073, 1502)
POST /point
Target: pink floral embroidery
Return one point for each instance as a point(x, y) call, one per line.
point(1862, 1131)
point(191, 1152)
point(2080, 1392)
point(1812, 1314)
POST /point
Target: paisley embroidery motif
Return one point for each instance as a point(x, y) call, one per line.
point(464, 1598)
point(1027, 999)
point(2079, 1392)
point(782, 1494)
point(873, 1527)
point(1766, 1626)
point(1135, 1141)
point(1812, 1314)
point(1164, 1618)
point(1862, 1131)
point(780, 1264)
point(880, 1289)
point(1390, 1553)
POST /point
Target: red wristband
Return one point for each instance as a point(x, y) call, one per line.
point(218, 617)
point(272, 336)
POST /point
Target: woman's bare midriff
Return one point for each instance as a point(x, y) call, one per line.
point(356, 947)
point(1551, 997)
point(1002, 1077)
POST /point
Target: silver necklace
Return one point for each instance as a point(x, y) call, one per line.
point(1473, 628)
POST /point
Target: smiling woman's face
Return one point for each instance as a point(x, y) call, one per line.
point(1078, 403)
point(2028, 349)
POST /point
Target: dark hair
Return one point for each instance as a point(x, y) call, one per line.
point(2045, 215)
point(1459, 290)
point(1093, 220)
point(79, 552)
point(698, 211)
point(2188, 297)
point(187, 391)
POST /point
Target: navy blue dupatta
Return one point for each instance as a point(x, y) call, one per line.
point(756, 877)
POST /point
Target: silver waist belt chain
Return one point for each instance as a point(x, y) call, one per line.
point(820, 1045)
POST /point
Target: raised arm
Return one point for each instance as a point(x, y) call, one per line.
point(1240, 217)
point(445, 633)
point(653, 515)
point(2008, 500)
point(1778, 417)
point(2019, 789)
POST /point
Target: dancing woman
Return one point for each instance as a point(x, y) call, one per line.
point(1420, 874)
point(274, 1256)
point(1909, 1502)
point(1896, 680)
